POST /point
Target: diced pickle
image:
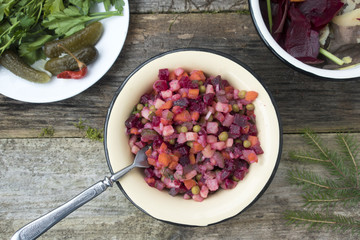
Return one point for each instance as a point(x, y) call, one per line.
point(60, 64)
point(85, 37)
point(11, 61)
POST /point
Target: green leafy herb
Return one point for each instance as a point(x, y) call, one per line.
point(26, 25)
point(47, 132)
point(90, 133)
point(342, 186)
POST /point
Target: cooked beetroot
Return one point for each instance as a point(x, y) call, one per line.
point(194, 134)
point(296, 26)
point(320, 12)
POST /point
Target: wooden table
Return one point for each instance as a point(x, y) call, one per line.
point(40, 173)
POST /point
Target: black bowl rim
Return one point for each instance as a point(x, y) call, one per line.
point(267, 44)
point(216, 53)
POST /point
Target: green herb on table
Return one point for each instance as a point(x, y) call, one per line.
point(342, 186)
point(47, 132)
point(90, 132)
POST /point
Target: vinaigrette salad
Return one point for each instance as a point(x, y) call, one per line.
point(202, 133)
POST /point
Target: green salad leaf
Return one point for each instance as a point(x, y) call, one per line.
point(26, 25)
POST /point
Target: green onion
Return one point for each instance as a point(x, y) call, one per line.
point(268, 3)
point(331, 56)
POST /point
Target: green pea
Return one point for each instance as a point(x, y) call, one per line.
point(195, 189)
point(223, 136)
point(178, 129)
point(139, 107)
point(235, 108)
point(144, 121)
point(200, 83)
point(238, 141)
point(172, 141)
point(190, 144)
point(198, 177)
point(246, 144)
point(242, 94)
point(202, 89)
point(250, 107)
point(196, 128)
point(183, 129)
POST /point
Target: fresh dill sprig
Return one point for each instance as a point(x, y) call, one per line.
point(90, 132)
point(340, 186)
point(47, 132)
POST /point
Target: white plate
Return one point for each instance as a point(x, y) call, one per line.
point(109, 47)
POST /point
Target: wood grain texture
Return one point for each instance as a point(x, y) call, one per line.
point(161, 6)
point(40, 174)
point(303, 101)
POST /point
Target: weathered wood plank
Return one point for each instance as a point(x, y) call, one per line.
point(161, 6)
point(38, 175)
point(303, 101)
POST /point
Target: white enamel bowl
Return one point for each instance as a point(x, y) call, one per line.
point(346, 74)
point(223, 204)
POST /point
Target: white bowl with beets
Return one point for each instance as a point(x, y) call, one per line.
point(258, 11)
point(200, 189)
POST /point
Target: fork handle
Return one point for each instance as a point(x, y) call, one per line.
point(39, 226)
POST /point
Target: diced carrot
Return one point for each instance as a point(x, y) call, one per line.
point(164, 159)
point(197, 75)
point(195, 116)
point(162, 147)
point(253, 139)
point(134, 131)
point(193, 93)
point(172, 75)
point(189, 183)
point(174, 157)
point(252, 157)
point(151, 161)
point(173, 165)
point(148, 152)
point(226, 155)
point(230, 107)
point(192, 158)
point(184, 116)
point(197, 147)
point(229, 89)
point(158, 112)
point(167, 105)
point(185, 74)
point(184, 95)
point(165, 121)
point(251, 96)
point(177, 153)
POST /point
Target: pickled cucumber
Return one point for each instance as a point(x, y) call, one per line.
point(11, 61)
point(60, 64)
point(85, 37)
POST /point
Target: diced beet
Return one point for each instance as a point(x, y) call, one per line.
point(222, 107)
point(204, 191)
point(179, 71)
point(219, 159)
point(257, 149)
point(133, 122)
point(182, 149)
point(224, 174)
point(229, 119)
point(145, 98)
point(184, 160)
point(235, 131)
point(240, 120)
point(184, 82)
point(164, 74)
point(149, 172)
point(197, 105)
point(216, 80)
point(160, 85)
point(173, 191)
point(228, 184)
point(155, 121)
point(182, 102)
point(208, 98)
